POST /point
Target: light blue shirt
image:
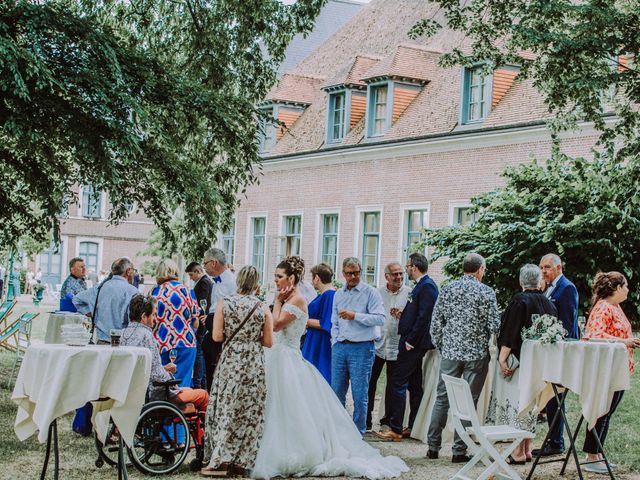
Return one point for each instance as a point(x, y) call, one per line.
point(367, 303)
point(113, 305)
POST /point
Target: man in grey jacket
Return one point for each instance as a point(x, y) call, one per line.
point(113, 296)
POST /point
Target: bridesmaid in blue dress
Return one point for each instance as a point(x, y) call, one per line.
point(317, 343)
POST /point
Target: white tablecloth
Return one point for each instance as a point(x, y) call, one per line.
point(593, 370)
point(57, 379)
point(56, 320)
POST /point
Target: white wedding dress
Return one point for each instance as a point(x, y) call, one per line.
point(307, 431)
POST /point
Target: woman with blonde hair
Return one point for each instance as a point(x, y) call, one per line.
point(176, 321)
point(235, 415)
point(608, 321)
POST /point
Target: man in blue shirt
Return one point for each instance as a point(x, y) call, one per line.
point(113, 297)
point(358, 313)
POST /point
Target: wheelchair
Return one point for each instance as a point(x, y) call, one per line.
point(165, 433)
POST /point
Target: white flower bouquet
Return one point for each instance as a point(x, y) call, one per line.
point(545, 328)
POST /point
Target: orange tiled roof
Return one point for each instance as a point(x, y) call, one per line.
point(351, 75)
point(412, 62)
point(295, 89)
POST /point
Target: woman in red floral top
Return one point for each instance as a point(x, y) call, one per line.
point(607, 320)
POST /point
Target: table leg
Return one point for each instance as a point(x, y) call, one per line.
point(575, 435)
point(572, 438)
point(122, 463)
point(53, 432)
point(606, 462)
point(544, 442)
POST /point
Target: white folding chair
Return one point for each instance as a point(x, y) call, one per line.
point(480, 439)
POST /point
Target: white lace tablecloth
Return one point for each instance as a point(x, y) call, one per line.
point(57, 379)
point(593, 370)
point(56, 320)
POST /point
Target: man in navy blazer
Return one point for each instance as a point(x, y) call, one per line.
point(564, 295)
point(415, 340)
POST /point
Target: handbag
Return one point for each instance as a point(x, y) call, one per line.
point(512, 364)
point(228, 341)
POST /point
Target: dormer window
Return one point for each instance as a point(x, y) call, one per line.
point(266, 132)
point(476, 95)
point(379, 118)
point(337, 116)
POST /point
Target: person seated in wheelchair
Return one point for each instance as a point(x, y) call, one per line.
point(142, 311)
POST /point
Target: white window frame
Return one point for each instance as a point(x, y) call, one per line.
point(99, 241)
point(405, 208)
point(289, 213)
point(249, 241)
point(220, 240)
point(453, 205)
point(371, 108)
point(317, 249)
point(357, 240)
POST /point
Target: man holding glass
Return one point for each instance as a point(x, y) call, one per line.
point(358, 313)
point(202, 288)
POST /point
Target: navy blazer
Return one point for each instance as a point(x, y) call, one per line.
point(415, 321)
point(565, 299)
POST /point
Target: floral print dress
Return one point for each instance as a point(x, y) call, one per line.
point(235, 414)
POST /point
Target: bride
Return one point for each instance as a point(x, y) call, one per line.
point(307, 431)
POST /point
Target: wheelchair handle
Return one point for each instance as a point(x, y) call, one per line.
point(169, 383)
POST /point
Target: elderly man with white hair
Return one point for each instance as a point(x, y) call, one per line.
point(108, 303)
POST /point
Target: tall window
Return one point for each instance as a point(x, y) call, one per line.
point(370, 245)
point(91, 202)
point(266, 135)
point(379, 110)
point(463, 216)
point(228, 242)
point(476, 95)
point(258, 240)
point(291, 235)
point(337, 116)
point(89, 253)
point(417, 220)
point(329, 240)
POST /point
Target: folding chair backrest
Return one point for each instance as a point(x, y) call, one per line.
point(6, 307)
point(460, 400)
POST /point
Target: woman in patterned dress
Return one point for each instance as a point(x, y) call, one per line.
point(607, 320)
point(503, 407)
point(176, 321)
point(235, 415)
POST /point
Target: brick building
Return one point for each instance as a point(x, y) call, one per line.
point(381, 141)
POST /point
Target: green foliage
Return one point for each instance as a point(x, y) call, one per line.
point(150, 101)
point(586, 211)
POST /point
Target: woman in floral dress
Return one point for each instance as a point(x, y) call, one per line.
point(235, 415)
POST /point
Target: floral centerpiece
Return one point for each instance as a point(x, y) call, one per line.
point(545, 328)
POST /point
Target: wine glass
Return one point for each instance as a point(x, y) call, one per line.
point(173, 354)
point(203, 306)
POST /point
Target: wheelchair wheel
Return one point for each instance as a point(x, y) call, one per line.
point(161, 442)
point(108, 452)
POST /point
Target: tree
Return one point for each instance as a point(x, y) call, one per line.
point(587, 211)
point(581, 56)
point(151, 101)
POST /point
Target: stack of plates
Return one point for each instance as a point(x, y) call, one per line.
point(75, 334)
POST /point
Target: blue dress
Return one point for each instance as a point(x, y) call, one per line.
point(317, 343)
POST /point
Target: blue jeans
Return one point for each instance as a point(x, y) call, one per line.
point(352, 362)
point(184, 364)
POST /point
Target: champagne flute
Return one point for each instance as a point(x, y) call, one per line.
point(203, 306)
point(173, 354)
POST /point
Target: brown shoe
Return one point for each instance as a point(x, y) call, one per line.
point(406, 433)
point(389, 436)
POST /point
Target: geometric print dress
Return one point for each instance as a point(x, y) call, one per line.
point(235, 414)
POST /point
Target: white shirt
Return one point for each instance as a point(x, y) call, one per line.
point(387, 345)
point(224, 288)
point(552, 287)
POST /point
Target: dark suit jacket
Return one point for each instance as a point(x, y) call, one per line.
point(202, 289)
point(416, 317)
point(565, 299)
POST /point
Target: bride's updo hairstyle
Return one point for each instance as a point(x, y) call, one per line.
point(605, 284)
point(293, 266)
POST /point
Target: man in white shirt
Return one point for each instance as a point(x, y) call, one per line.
point(394, 297)
point(224, 285)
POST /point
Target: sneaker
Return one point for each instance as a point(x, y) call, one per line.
point(599, 467)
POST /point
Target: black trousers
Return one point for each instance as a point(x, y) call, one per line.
point(210, 351)
point(407, 375)
point(602, 427)
point(376, 370)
